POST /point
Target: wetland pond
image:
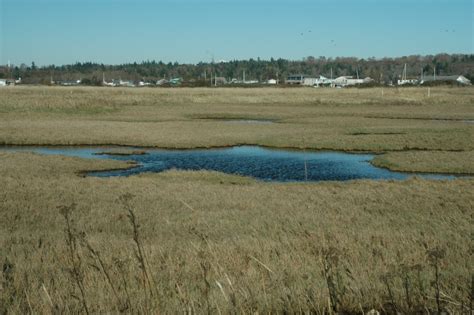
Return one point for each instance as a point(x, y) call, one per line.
point(265, 164)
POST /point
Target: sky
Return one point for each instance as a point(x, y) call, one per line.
point(189, 31)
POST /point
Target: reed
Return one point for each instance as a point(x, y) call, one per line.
point(206, 242)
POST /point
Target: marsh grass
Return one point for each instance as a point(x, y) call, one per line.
point(427, 161)
point(204, 242)
point(329, 119)
point(76, 266)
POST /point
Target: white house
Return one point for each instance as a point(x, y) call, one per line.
point(272, 81)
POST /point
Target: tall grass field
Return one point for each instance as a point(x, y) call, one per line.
point(207, 242)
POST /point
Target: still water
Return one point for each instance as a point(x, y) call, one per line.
point(258, 162)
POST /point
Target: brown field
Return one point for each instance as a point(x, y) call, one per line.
point(206, 242)
point(336, 119)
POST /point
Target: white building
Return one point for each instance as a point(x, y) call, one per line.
point(220, 80)
point(161, 82)
point(317, 81)
point(310, 81)
point(272, 81)
point(295, 79)
point(3, 82)
point(126, 83)
point(407, 82)
point(349, 81)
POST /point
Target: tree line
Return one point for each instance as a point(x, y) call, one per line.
point(382, 70)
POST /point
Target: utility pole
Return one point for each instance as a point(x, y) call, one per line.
point(9, 70)
point(380, 81)
point(332, 82)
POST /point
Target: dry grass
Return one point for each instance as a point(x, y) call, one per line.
point(428, 161)
point(205, 242)
point(335, 119)
point(208, 242)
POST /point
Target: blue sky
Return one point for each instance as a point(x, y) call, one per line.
point(118, 31)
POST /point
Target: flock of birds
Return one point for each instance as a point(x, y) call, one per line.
point(333, 42)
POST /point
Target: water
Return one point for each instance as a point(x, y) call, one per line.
point(261, 163)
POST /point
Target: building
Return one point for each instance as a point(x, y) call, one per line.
point(126, 83)
point(407, 82)
point(350, 81)
point(404, 80)
point(447, 78)
point(320, 81)
point(310, 81)
point(295, 79)
point(251, 82)
point(220, 81)
point(162, 82)
point(272, 81)
point(323, 81)
point(3, 82)
point(143, 83)
point(68, 82)
point(105, 83)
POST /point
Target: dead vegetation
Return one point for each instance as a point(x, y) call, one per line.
point(330, 119)
point(204, 242)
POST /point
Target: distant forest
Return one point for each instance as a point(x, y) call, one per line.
point(384, 70)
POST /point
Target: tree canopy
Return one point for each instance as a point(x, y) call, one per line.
point(382, 70)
